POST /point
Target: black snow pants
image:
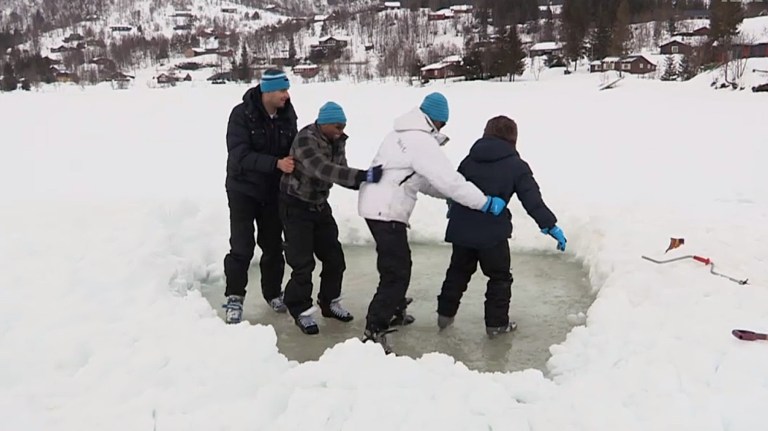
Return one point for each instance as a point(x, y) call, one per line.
point(310, 230)
point(243, 210)
point(495, 263)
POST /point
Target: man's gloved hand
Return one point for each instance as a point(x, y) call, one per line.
point(372, 175)
point(556, 233)
point(495, 205)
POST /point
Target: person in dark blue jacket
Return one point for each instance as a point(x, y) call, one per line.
point(495, 167)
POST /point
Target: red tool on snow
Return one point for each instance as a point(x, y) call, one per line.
point(704, 260)
point(747, 335)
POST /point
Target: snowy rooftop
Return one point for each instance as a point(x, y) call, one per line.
point(543, 46)
point(754, 30)
point(632, 57)
point(452, 59)
point(305, 67)
point(326, 38)
point(461, 8)
point(555, 8)
point(447, 61)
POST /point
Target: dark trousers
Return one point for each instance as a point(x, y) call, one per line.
point(394, 265)
point(494, 262)
point(311, 230)
point(243, 210)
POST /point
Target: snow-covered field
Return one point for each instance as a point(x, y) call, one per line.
point(113, 212)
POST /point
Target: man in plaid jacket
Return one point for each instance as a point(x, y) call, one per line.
point(310, 229)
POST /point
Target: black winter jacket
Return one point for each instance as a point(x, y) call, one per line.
point(255, 142)
point(496, 168)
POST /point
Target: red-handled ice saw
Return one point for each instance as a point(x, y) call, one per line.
point(704, 260)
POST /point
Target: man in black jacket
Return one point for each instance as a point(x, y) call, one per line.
point(259, 136)
point(495, 167)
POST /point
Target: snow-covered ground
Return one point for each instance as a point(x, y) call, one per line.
point(113, 213)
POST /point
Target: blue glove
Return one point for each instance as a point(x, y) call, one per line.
point(373, 175)
point(556, 233)
point(495, 205)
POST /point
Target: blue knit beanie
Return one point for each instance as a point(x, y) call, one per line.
point(331, 113)
point(274, 80)
point(435, 105)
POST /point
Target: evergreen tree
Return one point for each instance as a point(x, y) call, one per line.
point(686, 68)
point(622, 33)
point(291, 48)
point(670, 69)
point(472, 63)
point(548, 32)
point(575, 17)
point(600, 42)
point(245, 65)
point(9, 82)
point(725, 17)
point(482, 15)
point(668, 13)
point(234, 69)
point(513, 53)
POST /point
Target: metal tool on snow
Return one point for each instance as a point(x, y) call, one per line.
point(704, 260)
point(747, 335)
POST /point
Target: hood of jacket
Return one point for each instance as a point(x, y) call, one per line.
point(414, 120)
point(417, 121)
point(253, 103)
point(491, 149)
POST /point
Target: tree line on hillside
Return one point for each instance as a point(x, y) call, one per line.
point(599, 28)
point(588, 28)
point(25, 69)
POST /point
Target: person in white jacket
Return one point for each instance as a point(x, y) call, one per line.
point(413, 163)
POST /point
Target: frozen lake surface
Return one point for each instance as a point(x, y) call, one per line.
point(548, 294)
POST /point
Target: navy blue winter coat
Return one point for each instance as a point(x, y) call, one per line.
point(255, 142)
point(496, 168)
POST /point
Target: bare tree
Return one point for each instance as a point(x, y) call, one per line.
point(736, 64)
point(537, 66)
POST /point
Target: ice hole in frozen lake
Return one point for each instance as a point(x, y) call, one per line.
point(550, 295)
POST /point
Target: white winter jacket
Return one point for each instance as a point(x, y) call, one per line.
point(413, 162)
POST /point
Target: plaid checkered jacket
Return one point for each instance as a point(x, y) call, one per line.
point(319, 165)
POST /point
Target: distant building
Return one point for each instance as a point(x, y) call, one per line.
point(73, 37)
point(675, 46)
point(448, 67)
point(546, 48)
point(306, 71)
point(438, 16)
point(636, 64)
point(183, 14)
point(333, 42)
point(755, 49)
point(461, 8)
point(104, 62)
point(604, 65)
point(121, 28)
